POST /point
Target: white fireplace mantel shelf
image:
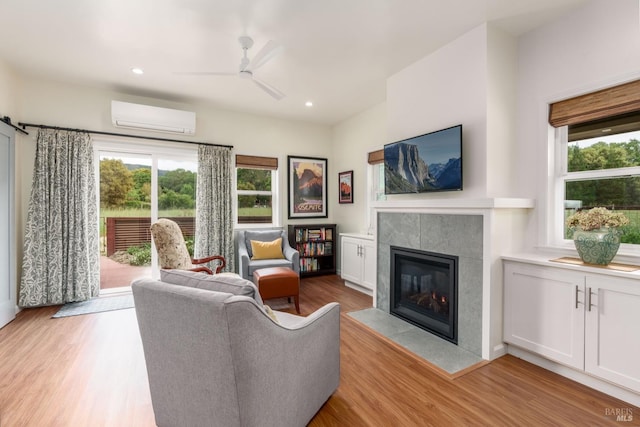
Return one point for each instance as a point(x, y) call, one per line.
point(486, 203)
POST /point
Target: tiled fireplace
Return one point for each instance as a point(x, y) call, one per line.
point(460, 236)
point(476, 233)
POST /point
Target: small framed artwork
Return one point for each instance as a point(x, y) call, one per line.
point(345, 187)
point(307, 184)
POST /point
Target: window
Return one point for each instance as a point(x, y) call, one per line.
point(256, 192)
point(600, 166)
point(375, 178)
point(377, 182)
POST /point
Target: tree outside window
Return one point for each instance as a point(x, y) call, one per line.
point(255, 196)
point(603, 169)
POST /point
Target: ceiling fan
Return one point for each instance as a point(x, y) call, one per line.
point(247, 66)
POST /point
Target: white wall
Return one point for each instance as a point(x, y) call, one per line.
point(501, 112)
point(592, 48)
point(446, 88)
point(8, 100)
point(353, 139)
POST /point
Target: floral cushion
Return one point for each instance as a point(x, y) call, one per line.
point(172, 251)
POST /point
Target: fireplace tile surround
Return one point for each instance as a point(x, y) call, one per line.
point(452, 234)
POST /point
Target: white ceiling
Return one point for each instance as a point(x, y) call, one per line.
point(336, 53)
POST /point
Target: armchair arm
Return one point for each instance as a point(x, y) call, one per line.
point(243, 260)
point(291, 254)
point(219, 258)
point(293, 322)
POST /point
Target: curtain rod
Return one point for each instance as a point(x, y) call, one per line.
point(97, 132)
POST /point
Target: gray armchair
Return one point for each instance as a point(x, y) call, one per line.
point(218, 359)
point(247, 266)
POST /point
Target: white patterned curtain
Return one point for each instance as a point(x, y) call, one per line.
point(61, 246)
point(214, 222)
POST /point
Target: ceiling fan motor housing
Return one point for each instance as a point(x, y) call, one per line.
point(246, 42)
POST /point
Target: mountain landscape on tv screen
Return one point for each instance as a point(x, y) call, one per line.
point(407, 172)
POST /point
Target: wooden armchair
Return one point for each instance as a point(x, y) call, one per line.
point(172, 250)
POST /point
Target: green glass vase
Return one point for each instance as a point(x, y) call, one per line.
point(597, 246)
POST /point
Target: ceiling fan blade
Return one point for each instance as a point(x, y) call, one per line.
point(205, 73)
point(269, 89)
point(267, 52)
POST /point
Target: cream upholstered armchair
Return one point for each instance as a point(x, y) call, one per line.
point(215, 356)
point(264, 240)
point(172, 249)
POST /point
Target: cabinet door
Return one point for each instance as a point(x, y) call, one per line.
point(612, 337)
point(351, 262)
point(544, 312)
point(370, 265)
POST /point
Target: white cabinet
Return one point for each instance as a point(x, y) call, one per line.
point(544, 312)
point(612, 338)
point(358, 261)
point(583, 320)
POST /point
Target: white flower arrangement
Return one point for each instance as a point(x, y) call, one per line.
point(597, 218)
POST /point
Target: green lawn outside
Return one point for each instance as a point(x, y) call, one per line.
point(254, 212)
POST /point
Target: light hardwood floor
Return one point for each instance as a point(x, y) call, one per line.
point(89, 371)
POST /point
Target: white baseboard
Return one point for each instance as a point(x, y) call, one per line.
point(358, 288)
point(577, 376)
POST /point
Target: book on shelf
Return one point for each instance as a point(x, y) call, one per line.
point(312, 234)
point(315, 248)
point(308, 264)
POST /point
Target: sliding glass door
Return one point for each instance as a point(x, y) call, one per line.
point(140, 183)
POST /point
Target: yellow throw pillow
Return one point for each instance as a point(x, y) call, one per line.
point(267, 250)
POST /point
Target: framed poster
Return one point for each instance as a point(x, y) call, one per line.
point(345, 187)
point(307, 183)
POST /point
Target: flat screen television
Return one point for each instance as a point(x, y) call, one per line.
point(425, 163)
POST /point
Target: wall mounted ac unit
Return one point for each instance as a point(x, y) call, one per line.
point(136, 116)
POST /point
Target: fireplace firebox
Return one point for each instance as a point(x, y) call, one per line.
point(424, 290)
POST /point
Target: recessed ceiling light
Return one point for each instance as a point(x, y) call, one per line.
point(308, 104)
point(606, 130)
point(137, 70)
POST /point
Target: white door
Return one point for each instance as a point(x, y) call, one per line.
point(612, 341)
point(7, 233)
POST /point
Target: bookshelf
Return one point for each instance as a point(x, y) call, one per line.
point(317, 246)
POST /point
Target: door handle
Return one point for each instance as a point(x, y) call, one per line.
point(589, 300)
point(577, 292)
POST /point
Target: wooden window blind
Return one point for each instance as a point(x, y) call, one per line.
point(624, 98)
point(256, 162)
point(376, 157)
